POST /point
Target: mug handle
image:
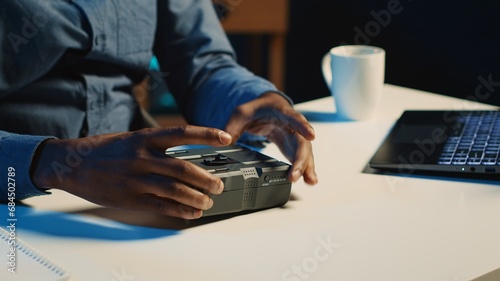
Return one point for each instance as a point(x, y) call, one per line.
point(327, 69)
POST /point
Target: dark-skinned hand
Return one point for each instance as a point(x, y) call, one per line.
point(272, 116)
point(131, 171)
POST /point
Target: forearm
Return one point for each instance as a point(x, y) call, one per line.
point(199, 64)
point(223, 91)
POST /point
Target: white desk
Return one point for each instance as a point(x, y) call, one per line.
point(378, 227)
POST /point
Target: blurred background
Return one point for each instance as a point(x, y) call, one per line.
point(447, 47)
point(439, 46)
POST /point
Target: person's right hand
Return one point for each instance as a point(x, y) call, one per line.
point(131, 171)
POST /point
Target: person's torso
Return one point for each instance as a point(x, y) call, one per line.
point(87, 54)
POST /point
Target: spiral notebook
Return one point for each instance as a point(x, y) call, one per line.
point(25, 263)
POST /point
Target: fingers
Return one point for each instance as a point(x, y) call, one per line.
point(237, 123)
point(175, 136)
point(283, 114)
point(188, 173)
point(265, 113)
point(299, 151)
point(183, 194)
point(167, 196)
point(156, 204)
point(303, 165)
point(273, 116)
point(298, 122)
point(157, 163)
point(177, 187)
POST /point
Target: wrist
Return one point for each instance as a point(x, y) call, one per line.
point(277, 95)
point(41, 170)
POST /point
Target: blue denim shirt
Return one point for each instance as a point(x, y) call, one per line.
point(67, 69)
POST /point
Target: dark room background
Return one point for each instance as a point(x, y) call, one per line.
point(447, 47)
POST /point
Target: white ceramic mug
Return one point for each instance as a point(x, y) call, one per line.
point(355, 76)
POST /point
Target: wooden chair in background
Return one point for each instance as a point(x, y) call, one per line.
point(263, 17)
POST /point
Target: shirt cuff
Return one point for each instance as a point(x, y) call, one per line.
point(16, 152)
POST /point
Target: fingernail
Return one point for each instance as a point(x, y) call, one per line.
point(314, 179)
point(311, 131)
point(225, 138)
point(210, 204)
point(197, 214)
point(221, 187)
point(296, 175)
point(187, 211)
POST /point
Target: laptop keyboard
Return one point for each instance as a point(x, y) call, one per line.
point(475, 140)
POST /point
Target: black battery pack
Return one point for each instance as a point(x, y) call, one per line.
point(252, 180)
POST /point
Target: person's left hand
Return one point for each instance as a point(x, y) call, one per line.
point(272, 116)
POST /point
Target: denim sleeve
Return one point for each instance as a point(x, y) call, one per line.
point(16, 154)
point(199, 63)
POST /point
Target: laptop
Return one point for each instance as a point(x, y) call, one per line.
point(444, 143)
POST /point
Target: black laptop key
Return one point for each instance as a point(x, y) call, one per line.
point(489, 159)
